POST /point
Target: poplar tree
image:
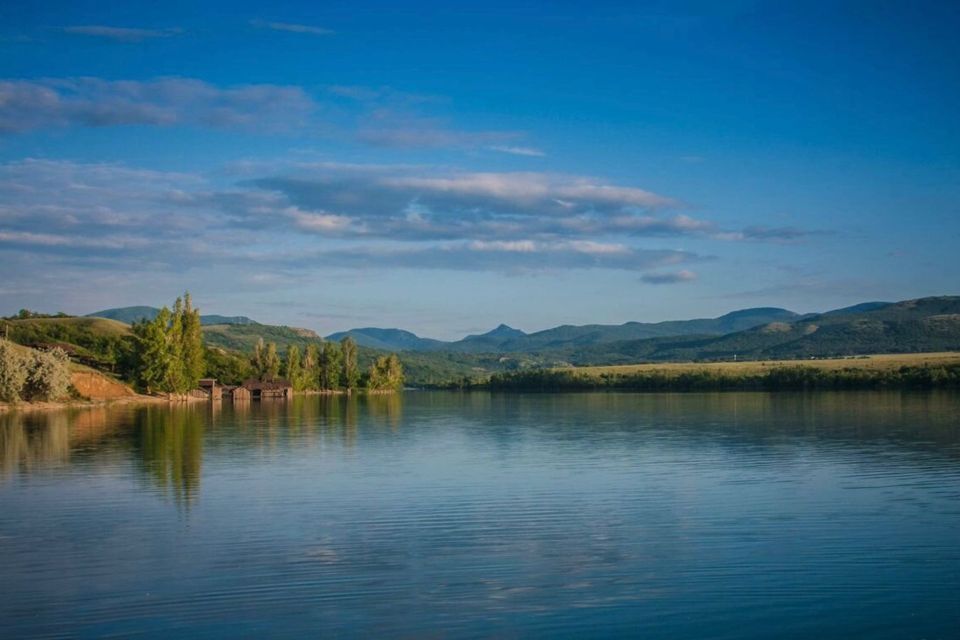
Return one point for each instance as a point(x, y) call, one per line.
point(330, 366)
point(271, 362)
point(294, 369)
point(351, 375)
point(193, 352)
point(175, 374)
point(311, 366)
point(257, 360)
point(386, 373)
point(152, 352)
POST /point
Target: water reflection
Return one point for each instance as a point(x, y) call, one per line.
point(31, 440)
point(580, 515)
point(168, 443)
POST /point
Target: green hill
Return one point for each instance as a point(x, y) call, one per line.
point(129, 315)
point(388, 339)
point(923, 325)
point(243, 337)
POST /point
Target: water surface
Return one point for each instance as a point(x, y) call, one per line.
point(437, 515)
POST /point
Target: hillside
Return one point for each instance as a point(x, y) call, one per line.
point(129, 315)
point(505, 339)
point(243, 337)
point(388, 339)
point(571, 336)
point(924, 325)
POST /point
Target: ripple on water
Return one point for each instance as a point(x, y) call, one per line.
point(471, 515)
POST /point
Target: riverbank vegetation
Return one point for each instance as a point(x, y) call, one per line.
point(776, 378)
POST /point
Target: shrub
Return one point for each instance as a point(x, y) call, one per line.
point(13, 372)
point(48, 377)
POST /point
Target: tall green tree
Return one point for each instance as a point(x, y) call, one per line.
point(311, 366)
point(176, 371)
point(385, 374)
point(259, 350)
point(193, 350)
point(330, 366)
point(293, 369)
point(152, 352)
point(271, 362)
point(351, 373)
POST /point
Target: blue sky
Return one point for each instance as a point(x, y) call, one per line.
point(445, 167)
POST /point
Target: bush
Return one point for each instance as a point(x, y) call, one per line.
point(39, 375)
point(48, 377)
point(13, 372)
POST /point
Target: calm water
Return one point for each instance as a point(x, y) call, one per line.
point(438, 515)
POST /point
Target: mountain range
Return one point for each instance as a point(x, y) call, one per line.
point(506, 339)
point(922, 325)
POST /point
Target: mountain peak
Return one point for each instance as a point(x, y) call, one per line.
point(504, 331)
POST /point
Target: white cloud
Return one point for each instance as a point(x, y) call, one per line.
point(122, 34)
point(292, 27)
point(93, 102)
point(669, 278)
point(518, 151)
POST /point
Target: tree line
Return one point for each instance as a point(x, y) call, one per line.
point(169, 356)
point(329, 366)
point(786, 378)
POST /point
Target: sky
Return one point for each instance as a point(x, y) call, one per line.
point(445, 167)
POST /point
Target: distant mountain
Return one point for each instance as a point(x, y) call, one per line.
point(505, 339)
point(487, 342)
point(388, 339)
point(923, 325)
point(569, 336)
point(857, 308)
point(215, 319)
point(130, 315)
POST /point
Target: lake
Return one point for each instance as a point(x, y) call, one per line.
point(448, 515)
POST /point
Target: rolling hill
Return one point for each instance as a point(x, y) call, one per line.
point(505, 339)
point(923, 325)
point(388, 339)
point(129, 315)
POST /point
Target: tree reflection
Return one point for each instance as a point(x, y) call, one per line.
point(169, 441)
point(33, 439)
point(386, 407)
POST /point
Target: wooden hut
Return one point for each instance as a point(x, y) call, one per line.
point(240, 394)
point(262, 389)
point(210, 387)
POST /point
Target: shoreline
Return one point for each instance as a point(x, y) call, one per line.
point(90, 403)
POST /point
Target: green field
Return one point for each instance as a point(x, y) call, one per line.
point(877, 362)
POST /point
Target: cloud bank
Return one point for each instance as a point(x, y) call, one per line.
point(91, 102)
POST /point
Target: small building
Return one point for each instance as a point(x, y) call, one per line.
point(237, 394)
point(262, 389)
point(210, 387)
